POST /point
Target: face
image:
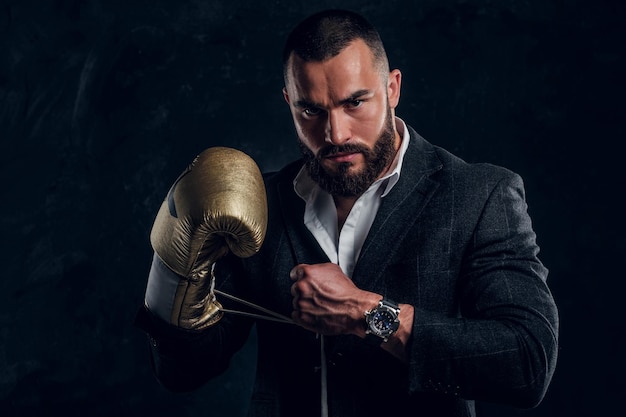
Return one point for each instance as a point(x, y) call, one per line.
point(343, 112)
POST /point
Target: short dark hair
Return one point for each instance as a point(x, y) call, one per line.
point(325, 34)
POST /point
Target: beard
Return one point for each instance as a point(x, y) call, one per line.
point(342, 183)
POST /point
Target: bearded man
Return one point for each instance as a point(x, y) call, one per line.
point(411, 276)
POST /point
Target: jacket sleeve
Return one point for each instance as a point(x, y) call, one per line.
point(183, 360)
point(503, 345)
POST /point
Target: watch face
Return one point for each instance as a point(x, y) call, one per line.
point(382, 322)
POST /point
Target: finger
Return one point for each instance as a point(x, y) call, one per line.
point(297, 272)
point(306, 320)
point(296, 302)
point(296, 316)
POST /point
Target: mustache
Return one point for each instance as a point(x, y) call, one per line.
point(347, 148)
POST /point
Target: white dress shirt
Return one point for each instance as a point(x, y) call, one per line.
point(320, 215)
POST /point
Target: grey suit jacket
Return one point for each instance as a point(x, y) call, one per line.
point(452, 239)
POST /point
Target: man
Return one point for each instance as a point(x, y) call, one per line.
point(412, 276)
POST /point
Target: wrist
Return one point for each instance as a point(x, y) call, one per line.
point(367, 302)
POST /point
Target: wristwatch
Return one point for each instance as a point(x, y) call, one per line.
point(382, 321)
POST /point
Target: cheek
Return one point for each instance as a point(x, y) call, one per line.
point(370, 124)
point(310, 132)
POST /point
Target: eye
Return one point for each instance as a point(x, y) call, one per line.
point(311, 111)
point(355, 103)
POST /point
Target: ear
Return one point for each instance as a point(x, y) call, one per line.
point(285, 95)
point(393, 88)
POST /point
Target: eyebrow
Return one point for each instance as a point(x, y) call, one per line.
point(354, 96)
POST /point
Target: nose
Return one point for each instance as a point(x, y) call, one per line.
point(337, 128)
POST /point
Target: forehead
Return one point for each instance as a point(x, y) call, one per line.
point(353, 69)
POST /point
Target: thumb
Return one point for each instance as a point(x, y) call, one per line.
point(297, 272)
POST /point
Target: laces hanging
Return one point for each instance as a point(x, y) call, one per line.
point(323, 377)
point(273, 316)
point(270, 315)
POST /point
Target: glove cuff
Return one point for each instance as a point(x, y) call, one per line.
point(161, 289)
point(163, 298)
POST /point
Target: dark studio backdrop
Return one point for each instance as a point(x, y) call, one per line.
point(104, 102)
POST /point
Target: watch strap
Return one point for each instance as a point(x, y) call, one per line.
point(373, 340)
point(389, 303)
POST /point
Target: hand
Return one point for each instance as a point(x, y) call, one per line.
point(326, 301)
point(217, 205)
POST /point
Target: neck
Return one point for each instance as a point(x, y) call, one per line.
point(343, 206)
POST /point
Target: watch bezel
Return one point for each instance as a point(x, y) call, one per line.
point(385, 312)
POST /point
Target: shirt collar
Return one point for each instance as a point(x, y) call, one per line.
point(393, 175)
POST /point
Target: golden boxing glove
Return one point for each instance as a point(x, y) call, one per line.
point(217, 205)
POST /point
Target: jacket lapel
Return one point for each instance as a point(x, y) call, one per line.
point(399, 210)
point(304, 247)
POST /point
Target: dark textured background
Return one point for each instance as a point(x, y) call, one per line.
point(104, 102)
